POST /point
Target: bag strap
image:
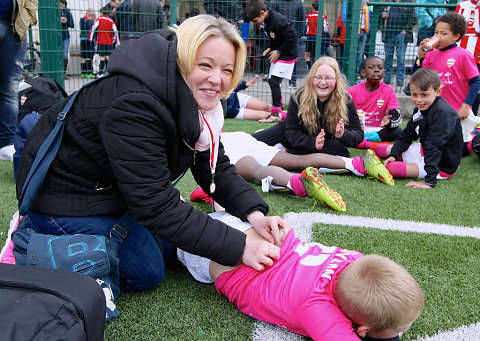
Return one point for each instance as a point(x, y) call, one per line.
point(45, 155)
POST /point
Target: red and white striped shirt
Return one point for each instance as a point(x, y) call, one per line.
point(312, 19)
point(471, 12)
point(107, 32)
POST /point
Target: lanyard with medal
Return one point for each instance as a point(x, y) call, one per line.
point(213, 153)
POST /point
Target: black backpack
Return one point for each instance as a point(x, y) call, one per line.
point(41, 93)
point(43, 304)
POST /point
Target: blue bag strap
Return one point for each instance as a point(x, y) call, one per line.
point(45, 155)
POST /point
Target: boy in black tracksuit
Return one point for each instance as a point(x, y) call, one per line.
point(281, 52)
point(437, 125)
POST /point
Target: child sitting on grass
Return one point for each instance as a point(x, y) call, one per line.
point(458, 72)
point(323, 292)
point(260, 163)
point(438, 126)
point(378, 102)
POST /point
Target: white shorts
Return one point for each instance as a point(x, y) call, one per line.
point(281, 69)
point(242, 100)
point(199, 267)
point(468, 125)
point(239, 144)
point(414, 155)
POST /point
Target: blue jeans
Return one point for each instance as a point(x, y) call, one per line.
point(397, 43)
point(11, 60)
point(362, 41)
point(141, 260)
point(66, 46)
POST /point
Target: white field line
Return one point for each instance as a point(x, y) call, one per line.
point(303, 229)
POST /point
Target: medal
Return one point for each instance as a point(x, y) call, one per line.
point(213, 153)
point(212, 187)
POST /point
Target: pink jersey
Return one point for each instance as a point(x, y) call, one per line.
point(375, 103)
point(455, 67)
point(470, 11)
point(296, 293)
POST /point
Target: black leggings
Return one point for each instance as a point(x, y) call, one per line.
point(389, 134)
point(274, 83)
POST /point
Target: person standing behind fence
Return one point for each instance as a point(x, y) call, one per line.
point(294, 11)
point(470, 11)
point(15, 19)
point(107, 34)
point(147, 15)
point(363, 31)
point(312, 22)
point(67, 22)
point(282, 51)
point(397, 33)
point(87, 47)
point(123, 20)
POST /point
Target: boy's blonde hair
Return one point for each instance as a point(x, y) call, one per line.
point(194, 31)
point(379, 293)
point(306, 98)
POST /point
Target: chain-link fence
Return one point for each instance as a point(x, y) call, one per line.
point(73, 39)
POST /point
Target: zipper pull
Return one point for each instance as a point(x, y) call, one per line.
point(194, 155)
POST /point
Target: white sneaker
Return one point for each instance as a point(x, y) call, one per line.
point(6, 153)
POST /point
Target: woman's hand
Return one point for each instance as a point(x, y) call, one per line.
point(320, 140)
point(269, 227)
point(340, 129)
point(418, 184)
point(266, 52)
point(388, 160)
point(259, 254)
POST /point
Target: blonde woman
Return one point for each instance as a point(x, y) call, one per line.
point(321, 115)
point(132, 133)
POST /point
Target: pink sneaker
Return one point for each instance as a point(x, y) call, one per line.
point(198, 195)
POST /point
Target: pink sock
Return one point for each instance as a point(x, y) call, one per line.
point(381, 150)
point(357, 163)
point(276, 110)
point(284, 114)
point(297, 186)
point(398, 169)
point(364, 144)
point(469, 146)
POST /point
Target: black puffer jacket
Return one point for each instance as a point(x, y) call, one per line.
point(126, 138)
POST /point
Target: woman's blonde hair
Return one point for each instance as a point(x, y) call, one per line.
point(379, 293)
point(194, 31)
point(336, 107)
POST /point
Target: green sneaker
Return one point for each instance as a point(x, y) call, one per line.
point(317, 189)
point(90, 76)
point(376, 169)
point(83, 75)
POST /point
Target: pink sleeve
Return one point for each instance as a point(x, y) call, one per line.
point(392, 100)
point(323, 321)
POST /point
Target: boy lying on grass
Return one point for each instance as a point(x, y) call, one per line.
point(326, 293)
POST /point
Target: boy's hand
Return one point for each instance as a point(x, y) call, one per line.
point(340, 129)
point(464, 111)
point(320, 140)
point(418, 184)
point(385, 121)
point(274, 55)
point(421, 52)
point(388, 160)
point(259, 254)
point(250, 83)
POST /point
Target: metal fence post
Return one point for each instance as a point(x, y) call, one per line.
point(351, 39)
point(318, 44)
point(51, 40)
point(173, 12)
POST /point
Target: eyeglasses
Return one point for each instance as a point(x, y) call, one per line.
point(327, 79)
